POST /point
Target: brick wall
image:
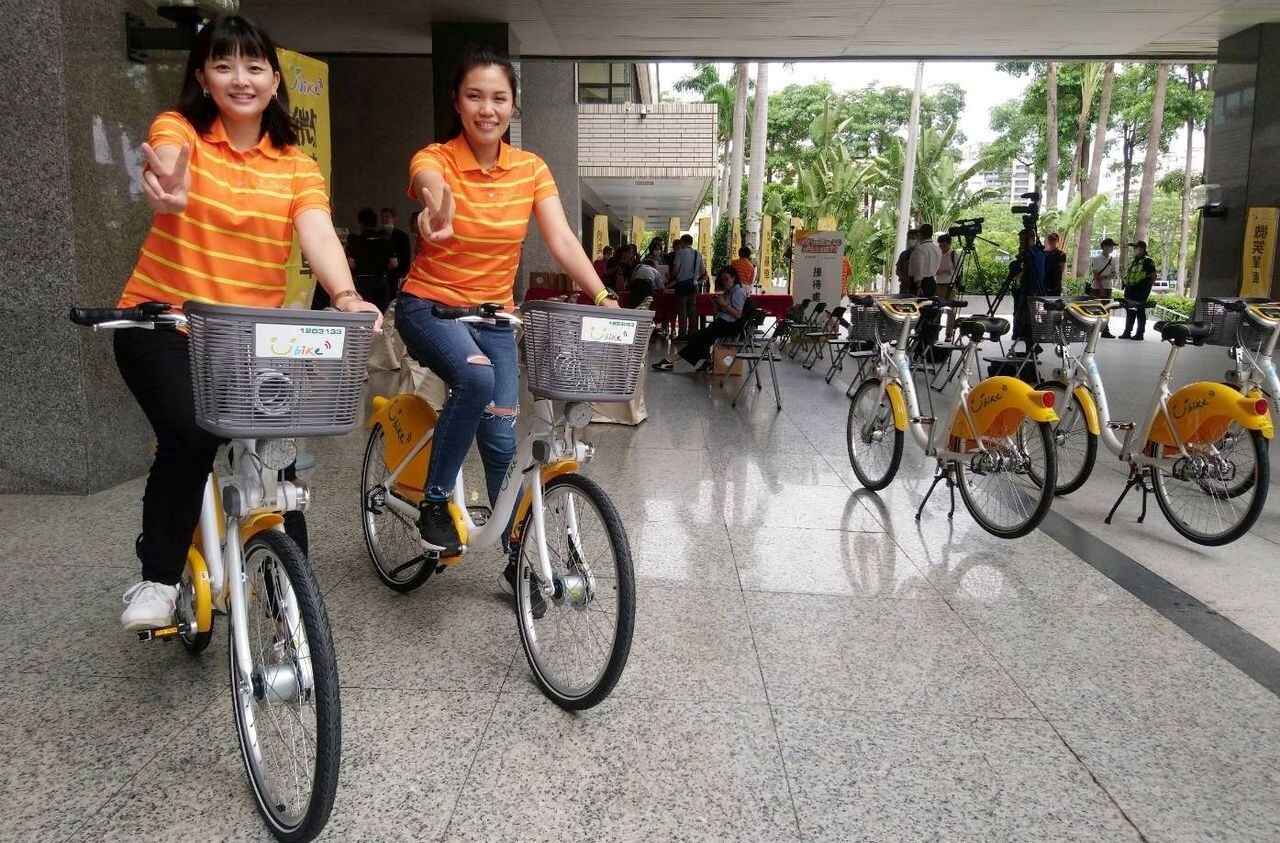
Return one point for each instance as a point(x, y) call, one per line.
point(680, 137)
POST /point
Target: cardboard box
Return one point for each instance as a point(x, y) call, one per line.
point(720, 359)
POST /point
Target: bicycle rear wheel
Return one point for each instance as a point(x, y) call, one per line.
point(875, 445)
point(1076, 447)
point(288, 716)
point(391, 538)
point(578, 648)
point(1210, 511)
point(1008, 487)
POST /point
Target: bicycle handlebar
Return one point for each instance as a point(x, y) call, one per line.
point(488, 311)
point(150, 311)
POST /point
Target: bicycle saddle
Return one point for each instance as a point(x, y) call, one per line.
point(1180, 333)
point(974, 327)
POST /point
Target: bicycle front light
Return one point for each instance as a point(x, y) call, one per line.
point(277, 454)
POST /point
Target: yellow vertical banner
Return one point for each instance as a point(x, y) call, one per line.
point(765, 275)
point(637, 231)
point(673, 232)
point(704, 242)
point(307, 81)
point(735, 238)
point(1259, 251)
point(599, 235)
point(826, 223)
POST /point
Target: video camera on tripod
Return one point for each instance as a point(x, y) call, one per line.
point(1030, 211)
point(967, 229)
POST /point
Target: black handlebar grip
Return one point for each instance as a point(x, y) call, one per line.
point(447, 311)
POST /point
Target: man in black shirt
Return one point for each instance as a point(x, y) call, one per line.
point(371, 258)
point(906, 286)
point(1138, 280)
point(400, 246)
point(1055, 263)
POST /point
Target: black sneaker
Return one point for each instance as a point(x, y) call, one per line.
point(663, 366)
point(508, 583)
point(437, 527)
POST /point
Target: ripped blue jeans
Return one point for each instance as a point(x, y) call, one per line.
point(457, 351)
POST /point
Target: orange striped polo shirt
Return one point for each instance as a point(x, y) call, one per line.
point(478, 264)
point(231, 244)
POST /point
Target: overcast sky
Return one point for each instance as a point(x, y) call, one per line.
point(984, 87)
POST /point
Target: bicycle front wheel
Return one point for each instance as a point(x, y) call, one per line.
point(390, 536)
point(1008, 486)
point(1076, 447)
point(288, 715)
point(1212, 511)
point(875, 445)
point(579, 645)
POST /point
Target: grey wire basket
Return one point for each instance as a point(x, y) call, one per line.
point(1045, 323)
point(576, 352)
point(1230, 327)
point(264, 372)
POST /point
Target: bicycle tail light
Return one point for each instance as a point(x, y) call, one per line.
point(1047, 399)
point(1260, 407)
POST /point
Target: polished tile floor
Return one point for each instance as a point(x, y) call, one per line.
point(810, 663)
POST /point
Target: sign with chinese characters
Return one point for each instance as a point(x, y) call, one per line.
point(673, 233)
point(816, 265)
point(307, 81)
point(1259, 251)
point(735, 239)
point(765, 276)
point(637, 232)
point(324, 342)
point(599, 235)
point(704, 241)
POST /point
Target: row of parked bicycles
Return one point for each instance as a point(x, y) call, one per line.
point(1010, 446)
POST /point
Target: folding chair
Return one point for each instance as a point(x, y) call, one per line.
point(810, 323)
point(756, 351)
point(818, 340)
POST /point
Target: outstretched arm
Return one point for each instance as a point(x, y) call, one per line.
point(566, 249)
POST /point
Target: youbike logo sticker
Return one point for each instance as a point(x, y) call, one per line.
point(314, 342)
point(612, 331)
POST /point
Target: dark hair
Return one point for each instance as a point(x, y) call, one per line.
point(607, 248)
point(480, 55)
point(944, 238)
point(391, 211)
point(657, 241)
point(232, 35)
point(744, 252)
point(686, 239)
point(730, 270)
point(926, 231)
point(367, 218)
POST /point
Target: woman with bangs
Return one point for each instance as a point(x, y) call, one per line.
point(229, 188)
point(478, 194)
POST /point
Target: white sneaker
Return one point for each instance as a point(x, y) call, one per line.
point(148, 605)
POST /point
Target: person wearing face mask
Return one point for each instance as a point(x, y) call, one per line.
point(399, 246)
point(478, 194)
point(229, 189)
point(902, 267)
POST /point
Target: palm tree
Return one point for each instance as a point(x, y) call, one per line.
point(1147, 192)
point(1073, 216)
point(733, 202)
point(1084, 244)
point(759, 152)
point(710, 88)
point(1051, 138)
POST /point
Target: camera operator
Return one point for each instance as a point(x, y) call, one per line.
point(1026, 278)
point(1055, 265)
point(924, 261)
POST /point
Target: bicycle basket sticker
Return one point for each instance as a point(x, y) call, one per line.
point(612, 331)
point(309, 341)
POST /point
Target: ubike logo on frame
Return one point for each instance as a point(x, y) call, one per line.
point(313, 342)
point(612, 331)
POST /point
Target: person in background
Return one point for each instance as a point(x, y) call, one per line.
point(601, 264)
point(1105, 274)
point(645, 281)
point(946, 266)
point(656, 250)
point(1055, 264)
point(687, 270)
point(730, 304)
point(742, 265)
point(1026, 279)
point(399, 245)
point(372, 260)
point(901, 267)
point(1138, 281)
point(923, 264)
point(617, 273)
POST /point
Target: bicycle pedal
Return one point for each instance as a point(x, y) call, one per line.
point(162, 633)
point(922, 420)
point(1120, 425)
point(480, 515)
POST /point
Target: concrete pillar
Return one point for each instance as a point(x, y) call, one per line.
point(1245, 135)
point(549, 127)
point(73, 110)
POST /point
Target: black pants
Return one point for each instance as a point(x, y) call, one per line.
point(698, 348)
point(1135, 314)
point(928, 287)
point(155, 366)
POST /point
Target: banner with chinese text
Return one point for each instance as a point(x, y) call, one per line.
point(1259, 252)
point(704, 242)
point(816, 265)
point(307, 81)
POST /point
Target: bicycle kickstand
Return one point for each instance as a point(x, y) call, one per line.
point(943, 473)
point(1137, 477)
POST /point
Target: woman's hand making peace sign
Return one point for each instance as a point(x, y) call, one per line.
point(166, 184)
point(435, 223)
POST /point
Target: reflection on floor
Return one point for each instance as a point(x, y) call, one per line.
point(810, 663)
